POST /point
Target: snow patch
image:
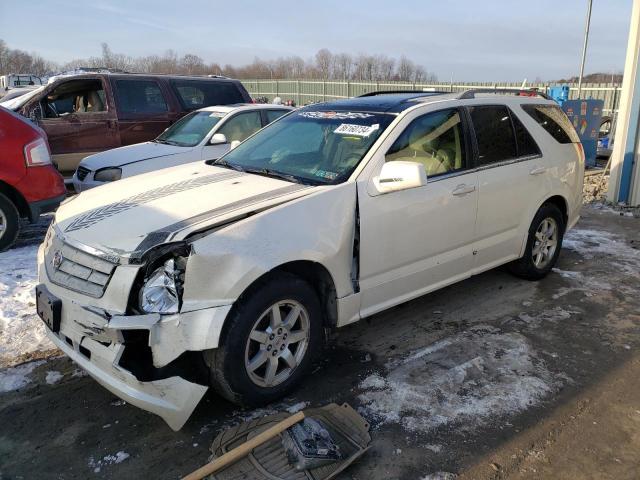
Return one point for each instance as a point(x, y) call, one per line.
point(467, 378)
point(440, 476)
point(53, 377)
point(21, 331)
point(297, 407)
point(114, 459)
point(591, 243)
point(14, 378)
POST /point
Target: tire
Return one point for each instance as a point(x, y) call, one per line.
point(534, 264)
point(240, 368)
point(9, 223)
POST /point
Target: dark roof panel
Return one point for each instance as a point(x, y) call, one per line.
point(388, 102)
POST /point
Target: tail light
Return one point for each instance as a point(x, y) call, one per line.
point(37, 153)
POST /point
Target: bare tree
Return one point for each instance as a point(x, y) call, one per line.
point(324, 63)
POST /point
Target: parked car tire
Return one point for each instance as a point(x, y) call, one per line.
point(9, 223)
point(543, 244)
point(272, 336)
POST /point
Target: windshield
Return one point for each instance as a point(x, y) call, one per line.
point(190, 130)
point(318, 147)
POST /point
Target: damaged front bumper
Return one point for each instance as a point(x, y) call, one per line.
point(173, 399)
point(143, 359)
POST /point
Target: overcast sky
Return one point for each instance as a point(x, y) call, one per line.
point(471, 40)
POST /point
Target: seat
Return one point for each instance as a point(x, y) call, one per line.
point(94, 102)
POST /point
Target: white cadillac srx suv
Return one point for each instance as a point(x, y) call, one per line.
point(226, 273)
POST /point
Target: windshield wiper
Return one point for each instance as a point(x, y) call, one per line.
point(225, 164)
point(273, 173)
point(166, 142)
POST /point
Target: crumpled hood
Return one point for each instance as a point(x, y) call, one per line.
point(132, 215)
point(131, 154)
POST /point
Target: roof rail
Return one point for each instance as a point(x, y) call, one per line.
point(471, 93)
point(391, 92)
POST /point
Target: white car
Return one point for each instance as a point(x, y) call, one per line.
point(204, 134)
point(225, 274)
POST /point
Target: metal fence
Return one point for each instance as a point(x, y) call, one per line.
point(312, 91)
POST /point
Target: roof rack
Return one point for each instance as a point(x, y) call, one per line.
point(391, 92)
point(471, 93)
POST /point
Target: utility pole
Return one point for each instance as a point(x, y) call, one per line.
point(584, 47)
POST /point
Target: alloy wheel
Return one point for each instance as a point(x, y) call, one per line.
point(277, 343)
point(545, 243)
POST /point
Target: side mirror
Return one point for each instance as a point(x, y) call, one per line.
point(400, 175)
point(234, 144)
point(218, 139)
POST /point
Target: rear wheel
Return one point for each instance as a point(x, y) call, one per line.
point(543, 244)
point(9, 223)
point(272, 337)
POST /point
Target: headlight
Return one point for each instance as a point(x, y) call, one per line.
point(109, 174)
point(162, 289)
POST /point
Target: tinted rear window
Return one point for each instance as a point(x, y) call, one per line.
point(494, 133)
point(554, 121)
point(140, 96)
point(526, 143)
point(194, 94)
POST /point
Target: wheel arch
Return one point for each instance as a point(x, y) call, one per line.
point(314, 273)
point(562, 204)
point(16, 197)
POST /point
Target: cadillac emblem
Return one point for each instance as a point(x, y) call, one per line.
point(57, 259)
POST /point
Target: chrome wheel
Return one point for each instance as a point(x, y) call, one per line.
point(3, 223)
point(546, 242)
point(277, 343)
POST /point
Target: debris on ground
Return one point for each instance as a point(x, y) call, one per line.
point(341, 430)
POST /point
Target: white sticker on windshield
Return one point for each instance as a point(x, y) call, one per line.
point(357, 130)
point(217, 114)
point(336, 115)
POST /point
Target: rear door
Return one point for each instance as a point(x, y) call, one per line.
point(511, 178)
point(143, 109)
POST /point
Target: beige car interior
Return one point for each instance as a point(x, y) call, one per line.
point(76, 96)
point(241, 126)
point(434, 140)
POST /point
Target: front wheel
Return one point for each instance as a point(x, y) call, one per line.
point(543, 244)
point(272, 336)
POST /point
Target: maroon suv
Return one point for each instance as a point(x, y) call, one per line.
point(88, 113)
point(29, 185)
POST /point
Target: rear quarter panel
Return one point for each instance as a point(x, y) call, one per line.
point(565, 171)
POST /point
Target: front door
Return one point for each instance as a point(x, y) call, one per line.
point(417, 240)
point(79, 119)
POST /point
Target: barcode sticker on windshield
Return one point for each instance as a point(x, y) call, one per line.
point(357, 130)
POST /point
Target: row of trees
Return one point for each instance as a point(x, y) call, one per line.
point(325, 65)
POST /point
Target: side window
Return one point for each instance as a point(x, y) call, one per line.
point(554, 121)
point(435, 140)
point(526, 143)
point(140, 96)
point(494, 133)
point(194, 94)
point(274, 114)
point(241, 126)
point(75, 96)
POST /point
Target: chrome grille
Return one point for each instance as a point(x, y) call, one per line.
point(76, 270)
point(82, 173)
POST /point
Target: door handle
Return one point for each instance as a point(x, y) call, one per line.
point(463, 190)
point(537, 170)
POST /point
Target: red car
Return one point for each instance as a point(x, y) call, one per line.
point(29, 184)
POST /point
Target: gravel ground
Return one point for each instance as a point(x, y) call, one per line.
point(494, 377)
